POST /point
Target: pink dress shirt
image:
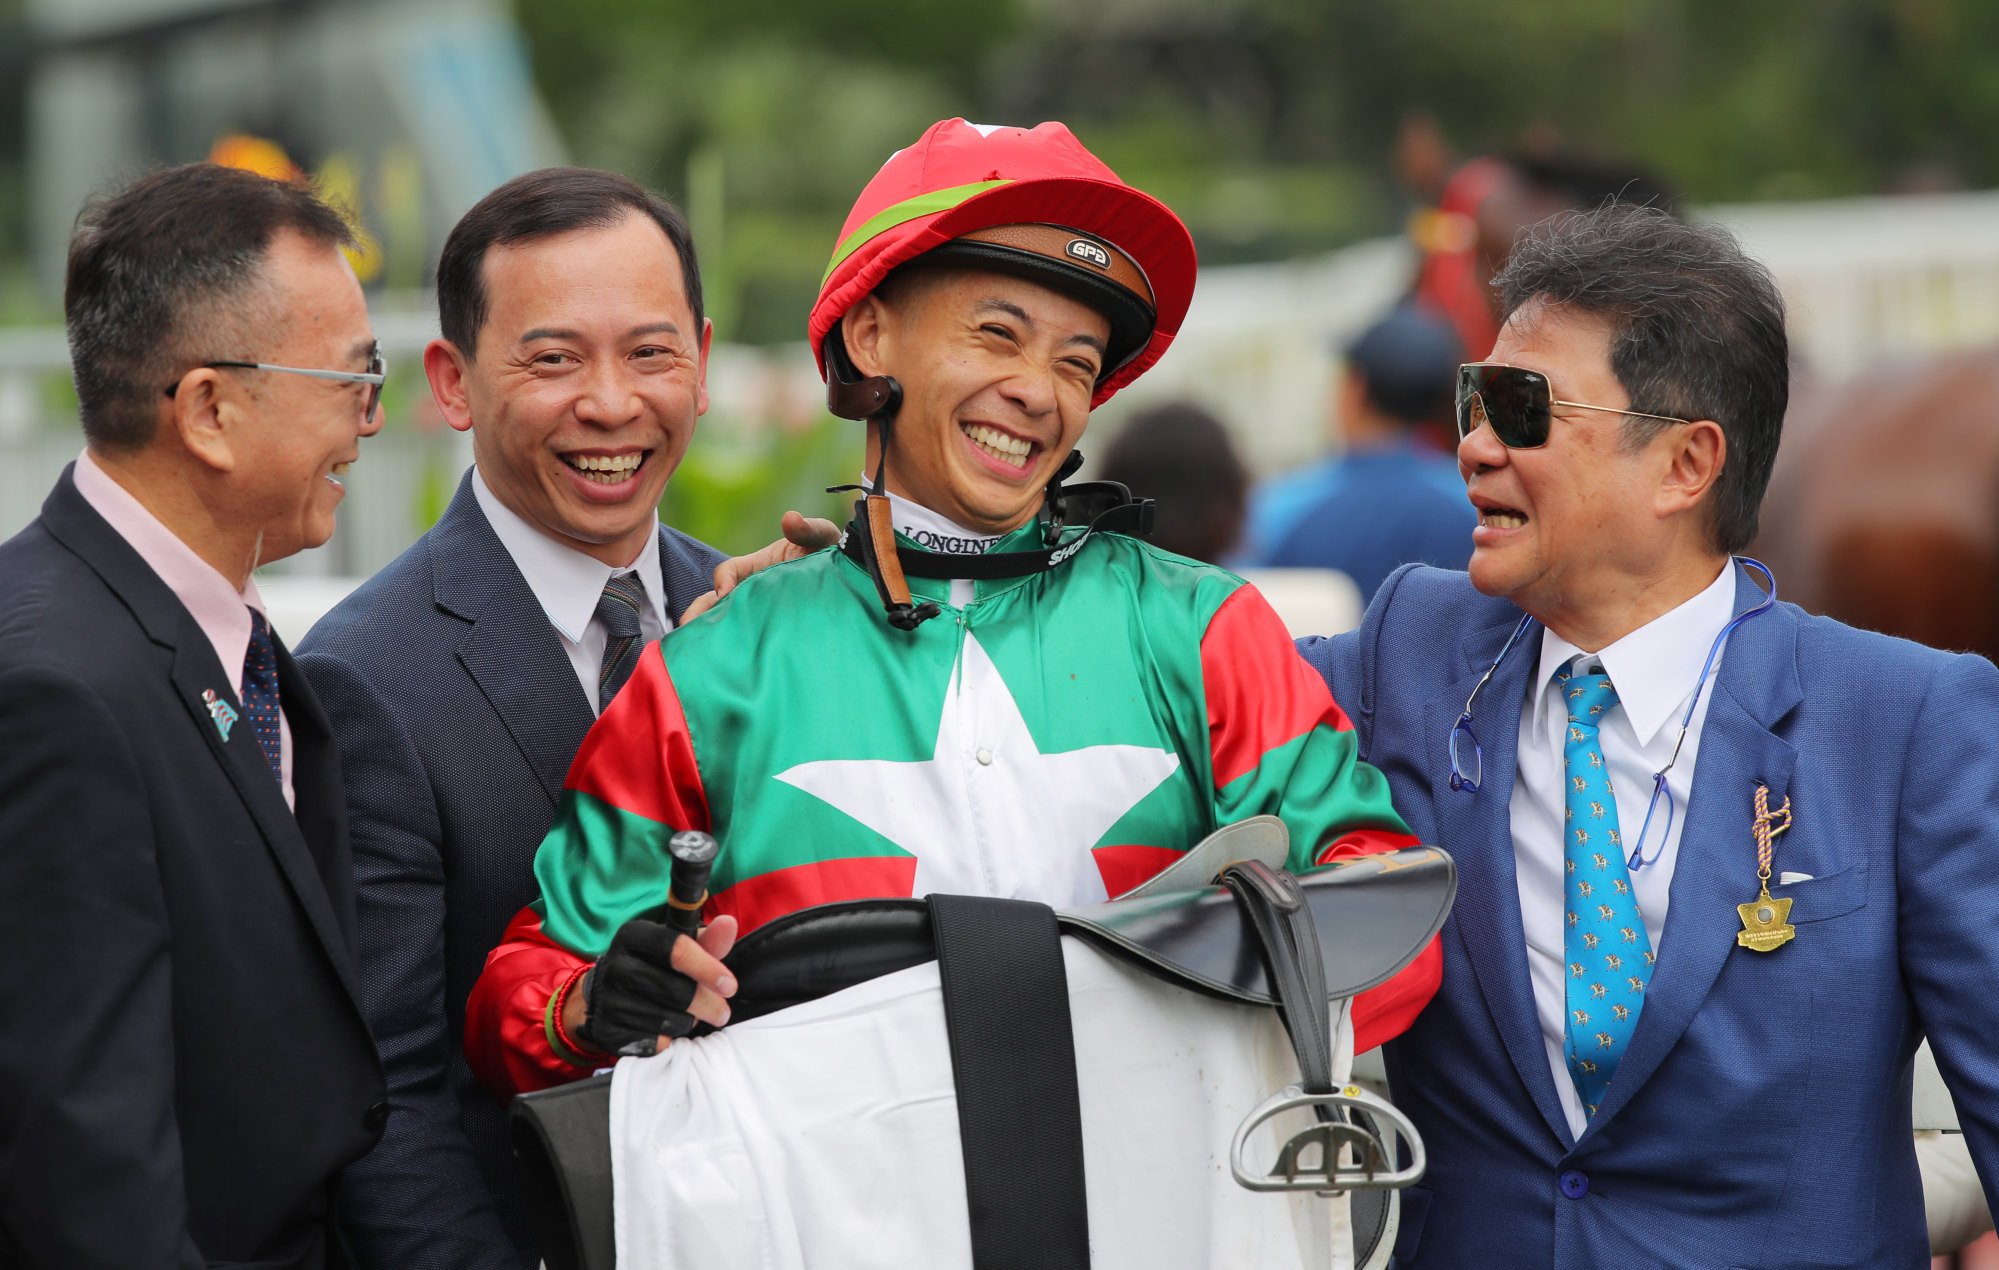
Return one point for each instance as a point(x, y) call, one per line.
point(222, 612)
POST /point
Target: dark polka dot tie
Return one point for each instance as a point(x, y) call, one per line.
point(260, 694)
point(618, 610)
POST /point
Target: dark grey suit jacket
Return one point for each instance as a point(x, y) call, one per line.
point(457, 712)
point(184, 1069)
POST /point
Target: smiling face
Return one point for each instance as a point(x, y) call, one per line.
point(589, 374)
point(1571, 531)
point(285, 482)
point(996, 373)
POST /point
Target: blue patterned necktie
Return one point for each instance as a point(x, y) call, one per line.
point(618, 610)
point(260, 694)
point(1609, 955)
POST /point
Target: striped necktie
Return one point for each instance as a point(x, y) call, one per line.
point(1609, 955)
point(618, 610)
point(260, 694)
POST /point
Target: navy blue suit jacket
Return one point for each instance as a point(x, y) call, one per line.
point(1761, 1116)
point(457, 713)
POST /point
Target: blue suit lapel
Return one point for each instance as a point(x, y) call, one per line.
point(1477, 830)
point(510, 650)
point(688, 567)
point(1754, 688)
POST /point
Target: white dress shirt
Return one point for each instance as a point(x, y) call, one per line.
point(1654, 670)
point(568, 585)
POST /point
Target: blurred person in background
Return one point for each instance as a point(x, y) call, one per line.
point(186, 1069)
point(1181, 456)
point(1480, 209)
point(1391, 497)
point(462, 677)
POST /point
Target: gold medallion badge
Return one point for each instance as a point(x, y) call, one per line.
point(1766, 923)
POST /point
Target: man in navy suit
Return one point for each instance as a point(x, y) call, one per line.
point(461, 679)
point(185, 1068)
point(1678, 1014)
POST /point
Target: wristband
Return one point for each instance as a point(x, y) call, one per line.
point(560, 1041)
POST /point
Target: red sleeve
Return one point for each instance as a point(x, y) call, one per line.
point(1282, 745)
point(506, 1034)
point(635, 767)
point(1384, 1013)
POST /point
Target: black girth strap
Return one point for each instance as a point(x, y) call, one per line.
point(1274, 903)
point(1013, 1056)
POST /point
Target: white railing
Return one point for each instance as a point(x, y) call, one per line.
point(1867, 280)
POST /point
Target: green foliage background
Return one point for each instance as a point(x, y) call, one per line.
point(1268, 124)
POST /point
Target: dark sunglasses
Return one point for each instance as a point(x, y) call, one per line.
point(1518, 403)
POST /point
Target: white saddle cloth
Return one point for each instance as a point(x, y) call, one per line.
point(826, 1135)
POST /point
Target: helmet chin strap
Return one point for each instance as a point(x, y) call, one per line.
point(875, 398)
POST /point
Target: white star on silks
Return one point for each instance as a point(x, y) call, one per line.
point(988, 813)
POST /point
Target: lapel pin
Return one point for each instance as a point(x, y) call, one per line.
point(1766, 922)
point(220, 712)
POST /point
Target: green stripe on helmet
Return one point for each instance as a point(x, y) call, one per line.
point(905, 211)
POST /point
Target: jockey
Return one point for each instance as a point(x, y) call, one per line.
point(985, 689)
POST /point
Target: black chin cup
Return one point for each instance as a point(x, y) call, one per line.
point(852, 395)
point(863, 398)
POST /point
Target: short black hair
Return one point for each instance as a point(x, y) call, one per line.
point(1696, 332)
point(542, 204)
point(1182, 456)
point(161, 276)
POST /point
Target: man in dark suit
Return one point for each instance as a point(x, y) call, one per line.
point(186, 1067)
point(462, 678)
point(1721, 863)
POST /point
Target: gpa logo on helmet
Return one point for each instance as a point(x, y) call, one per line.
point(1089, 253)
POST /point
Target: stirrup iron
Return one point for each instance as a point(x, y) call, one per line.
point(1296, 1169)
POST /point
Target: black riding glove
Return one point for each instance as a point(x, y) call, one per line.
point(633, 995)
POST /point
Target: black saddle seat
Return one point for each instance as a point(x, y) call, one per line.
point(1373, 913)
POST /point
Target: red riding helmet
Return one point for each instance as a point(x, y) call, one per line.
point(1026, 201)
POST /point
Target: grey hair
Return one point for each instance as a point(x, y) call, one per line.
point(1696, 332)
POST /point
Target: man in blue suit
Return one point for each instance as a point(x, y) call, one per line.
point(1678, 1013)
point(460, 680)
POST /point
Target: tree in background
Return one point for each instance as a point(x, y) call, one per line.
point(1272, 124)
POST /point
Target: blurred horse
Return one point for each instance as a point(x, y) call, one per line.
point(1883, 510)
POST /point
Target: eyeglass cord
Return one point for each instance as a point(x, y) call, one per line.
point(1637, 859)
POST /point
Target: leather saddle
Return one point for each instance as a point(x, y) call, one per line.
point(1256, 935)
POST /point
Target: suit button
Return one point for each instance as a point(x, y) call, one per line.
point(1575, 1185)
point(375, 1117)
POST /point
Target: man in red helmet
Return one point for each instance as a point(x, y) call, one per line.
point(984, 690)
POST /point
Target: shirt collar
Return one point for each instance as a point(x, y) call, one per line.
point(1655, 667)
point(217, 606)
point(566, 582)
point(934, 532)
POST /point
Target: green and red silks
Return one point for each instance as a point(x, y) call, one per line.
point(1062, 738)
